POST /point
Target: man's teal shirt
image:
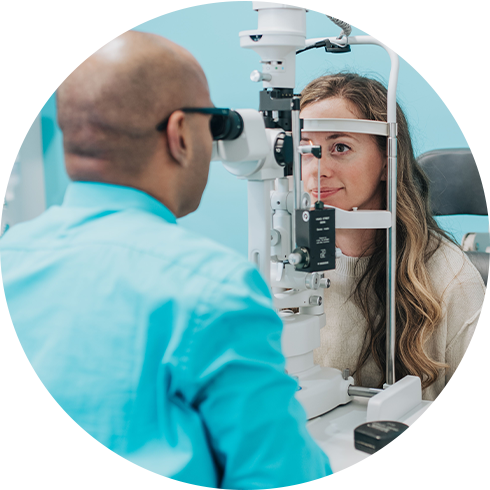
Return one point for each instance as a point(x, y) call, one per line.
point(161, 344)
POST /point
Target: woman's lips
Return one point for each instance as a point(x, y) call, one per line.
point(324, 193)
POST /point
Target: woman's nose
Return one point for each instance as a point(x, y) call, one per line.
point(311, 166)
point(326, 166)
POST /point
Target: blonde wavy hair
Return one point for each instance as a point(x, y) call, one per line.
point(418, 308)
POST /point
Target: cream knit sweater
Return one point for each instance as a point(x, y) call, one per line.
point(454, 279)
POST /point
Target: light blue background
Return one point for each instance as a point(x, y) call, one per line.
point(210, 33)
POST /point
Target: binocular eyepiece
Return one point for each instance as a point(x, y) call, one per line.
point(225, 124)
point(228, 125)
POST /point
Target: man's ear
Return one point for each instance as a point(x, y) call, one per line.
point(178, 145)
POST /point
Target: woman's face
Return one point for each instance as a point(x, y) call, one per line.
point(352, 168)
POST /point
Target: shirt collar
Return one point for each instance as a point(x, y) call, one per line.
point(113, 197)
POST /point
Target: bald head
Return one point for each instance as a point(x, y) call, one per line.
point(109, 106)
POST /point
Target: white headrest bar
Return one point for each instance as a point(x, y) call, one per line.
point(346, 126)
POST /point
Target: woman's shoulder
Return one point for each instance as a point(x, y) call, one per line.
point(450, 269)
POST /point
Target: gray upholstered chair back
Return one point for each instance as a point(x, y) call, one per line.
point(456, 188)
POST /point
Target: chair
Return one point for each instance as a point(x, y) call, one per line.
point(456, 188)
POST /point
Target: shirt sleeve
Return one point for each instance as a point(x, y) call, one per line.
point(235, 378)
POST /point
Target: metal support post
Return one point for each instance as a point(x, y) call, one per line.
point(391, 257)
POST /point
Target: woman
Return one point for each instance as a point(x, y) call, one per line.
point(439, 293)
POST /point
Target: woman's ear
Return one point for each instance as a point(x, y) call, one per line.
point(384, 175)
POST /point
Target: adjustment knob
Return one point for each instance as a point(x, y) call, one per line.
point(295, 259)
point(325, 283)
point(312, 281)
point(315, 301)
point(257, 76)
point(299, 258)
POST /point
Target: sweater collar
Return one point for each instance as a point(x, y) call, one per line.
point(351, 266)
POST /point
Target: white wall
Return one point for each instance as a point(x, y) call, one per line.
point(25, 197)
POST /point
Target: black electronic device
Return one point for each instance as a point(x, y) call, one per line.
point(373, 436)
point(315, 238)
point(275, 106)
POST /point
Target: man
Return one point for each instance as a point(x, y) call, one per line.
point(162, 345)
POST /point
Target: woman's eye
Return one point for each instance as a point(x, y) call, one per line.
point(341, 148)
